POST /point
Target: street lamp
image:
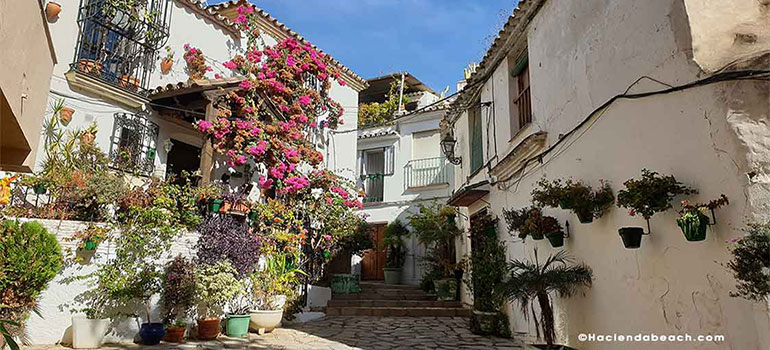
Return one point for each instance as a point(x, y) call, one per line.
point(448, 146)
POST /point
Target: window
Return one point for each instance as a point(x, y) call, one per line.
point(475, 125)
point(375, 164)
point(428, 166)
point(521, 109)
point(426, 144)
point(132, 145)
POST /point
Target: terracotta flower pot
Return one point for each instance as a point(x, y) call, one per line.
point(52, 10)
point(208, 328)
point(165, 65)
point(90, 66)
point(65, 115)
point(175, 334)
point(129, 82)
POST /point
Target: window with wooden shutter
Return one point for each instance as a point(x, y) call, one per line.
point(477, 150)
point(521, 111)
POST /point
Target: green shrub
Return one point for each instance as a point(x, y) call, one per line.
point(395, 233)
point(751, 264)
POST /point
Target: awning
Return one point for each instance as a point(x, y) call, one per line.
point(469, 194)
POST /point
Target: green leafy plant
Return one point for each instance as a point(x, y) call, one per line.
point(651, 194)
point(7, 336)
point(375, 113)
point(215, 286)
point(178, 290)
point(575, 196)
point(279, 276)
point(395, 233)
point(359, 241)
point(532, 282)
point(435, 228)
point(750, 264)
point(516, 218)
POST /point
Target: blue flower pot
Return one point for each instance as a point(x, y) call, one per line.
point(152, 333)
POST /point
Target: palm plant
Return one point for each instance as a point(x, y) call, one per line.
point(532, 281)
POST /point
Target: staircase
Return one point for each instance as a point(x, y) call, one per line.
point(379, 299)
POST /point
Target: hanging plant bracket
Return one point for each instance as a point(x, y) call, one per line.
point(566, 226)
point(713, 220)
point(649, 231)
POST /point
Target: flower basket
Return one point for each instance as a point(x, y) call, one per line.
point(632, 236)
point(694, 226)
point(556, 238)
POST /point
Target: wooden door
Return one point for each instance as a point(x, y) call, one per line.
point(373, 260)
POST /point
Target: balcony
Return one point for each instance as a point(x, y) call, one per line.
point(426, 172)
point(118, 44)
point(374, 187)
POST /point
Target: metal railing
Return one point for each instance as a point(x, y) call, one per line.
point(374, 187)
point(426, 172)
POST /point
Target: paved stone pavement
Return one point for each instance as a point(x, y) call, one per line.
point(351, 332)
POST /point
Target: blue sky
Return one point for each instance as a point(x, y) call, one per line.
point(432, 39)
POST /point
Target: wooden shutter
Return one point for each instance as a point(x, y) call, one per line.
point(390, 160)
point(477, 150)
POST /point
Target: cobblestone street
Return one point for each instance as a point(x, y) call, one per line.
point(354, 332)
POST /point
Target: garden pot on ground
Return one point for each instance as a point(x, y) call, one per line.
point(152, 333)
point(208, 328)
point(237, 325)
point(694, 229)
point(556, 238)
point(165, 66)
point(585, 218)
point(175, 334)
point(88, 333)
point(446, 289)
point(632, 236)
point(392, 275)
point(52, 10)
point(484, 323)
point(265, 320)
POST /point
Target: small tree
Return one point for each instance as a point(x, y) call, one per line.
point(651, 194)
point(532, 282)
point(395, 233)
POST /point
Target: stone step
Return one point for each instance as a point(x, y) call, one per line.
point(383, 296)
point(380, 285)
point(393, 303)
point(399, 311)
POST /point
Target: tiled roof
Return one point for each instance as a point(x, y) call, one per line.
point(184, 87)
point(280, 30)
point(199, 7)
point(376, 131)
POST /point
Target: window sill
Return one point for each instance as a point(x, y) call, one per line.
point(89, 84)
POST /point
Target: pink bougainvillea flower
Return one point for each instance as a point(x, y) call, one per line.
point(205, 126)
point(240, 160)
point(230, 65)
point(284, 108)
point(304, 100)
point(246, 85)
point(342, 82)
point(264, 182)
point(217, 76)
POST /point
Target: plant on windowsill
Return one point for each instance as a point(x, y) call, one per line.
point(395, 233)
point(651, 194)
point(694, 220)
point(578, 197)
point(532, 282)
point(490, 268)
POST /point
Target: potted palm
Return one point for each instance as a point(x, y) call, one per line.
point(693, 218)
point(215, 285)
point(270, 286)
point(646, 196)
point(177, 297)
point(532, 282)
point(436, 229)
point(578, 197)
point(487, 282)
point(395, 233)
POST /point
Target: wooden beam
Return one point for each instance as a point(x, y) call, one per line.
point(207, 153)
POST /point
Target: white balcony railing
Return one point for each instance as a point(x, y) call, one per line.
point(426, 172)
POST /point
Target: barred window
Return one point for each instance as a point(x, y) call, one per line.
point(133, 143)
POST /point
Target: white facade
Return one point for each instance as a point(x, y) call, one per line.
point(580, 55)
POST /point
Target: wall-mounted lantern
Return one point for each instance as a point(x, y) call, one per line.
point(448, 147)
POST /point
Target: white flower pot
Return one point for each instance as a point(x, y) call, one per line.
point(88, 333)
point(278, 302)
point(265, 320)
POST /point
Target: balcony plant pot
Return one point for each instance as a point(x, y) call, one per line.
point(52, 10)
point(585, 218)
point(483, 323)
point(556, 238)
point(39, 189)
point(237, 325)
point(208, 328)
point(65, 115)
point(88, 333)
point(152, 333)
point(175, 334)
point(90, 66)
point(694, 228)
point(129, 82)
point(393, 275)
point(446, 289)
point(632, 236)
point(165, 65)
point(264, 321)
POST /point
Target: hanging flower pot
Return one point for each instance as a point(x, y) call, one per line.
point(537, 236)
point(585, 217)
point(52, 10)
point(65, 115)
point(632, 236)
point(165, 65)
point(694, 226)
point(215, 205)
point(556, 238)
point(90, 245)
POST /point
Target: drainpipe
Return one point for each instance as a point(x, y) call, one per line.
point(401, 94)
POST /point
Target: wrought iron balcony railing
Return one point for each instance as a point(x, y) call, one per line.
point(374, 187)
point(426, 172)
point(119, 40)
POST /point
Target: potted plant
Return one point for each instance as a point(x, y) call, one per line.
point(89, 66)
point(215, 285)
point(235, 203)
point(129, 82)
point(540, 226)
point(646, 196)
point(38, 183)
point(532, 282)
point(395, 233)
point(52, 10)
point(487, 282)
point(167, 62)
point(210, 195)
point(516, 218)
point(270, 286)
point(178, 297)
point(693, 218)
point(90, 237)
point(436, 229)
point(238, 318)
point(578, 197)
